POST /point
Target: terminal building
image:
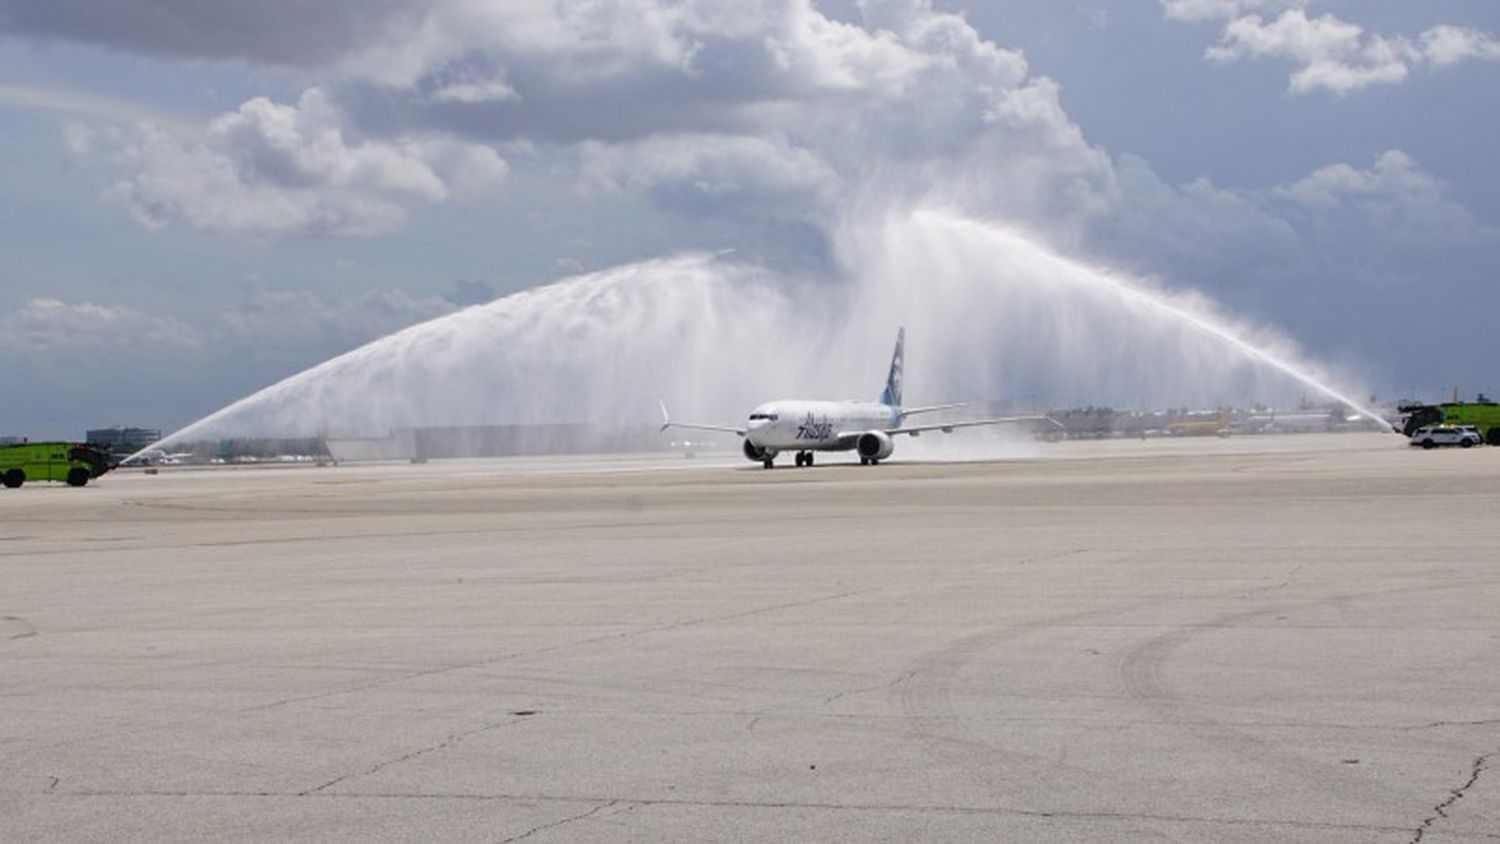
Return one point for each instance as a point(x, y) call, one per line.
point(122, 439)
point(496, 441)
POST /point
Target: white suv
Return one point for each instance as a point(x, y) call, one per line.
point(1433, 436)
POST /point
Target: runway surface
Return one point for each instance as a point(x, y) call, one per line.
point(1279, 639)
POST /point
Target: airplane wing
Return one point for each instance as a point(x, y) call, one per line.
point(666, 422)
point(932, 408)
point(947, 427)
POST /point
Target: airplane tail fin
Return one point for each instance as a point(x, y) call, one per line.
point(892, 394)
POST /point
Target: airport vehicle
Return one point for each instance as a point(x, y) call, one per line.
point(1201, 425)
point(1433, 436)
point(1481, 413)
point(806, 427)
point(72, 463)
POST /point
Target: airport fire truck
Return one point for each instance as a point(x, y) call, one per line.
point(72, 463)
point(1482, 414)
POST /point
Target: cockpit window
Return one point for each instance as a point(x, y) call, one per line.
point(768, 417)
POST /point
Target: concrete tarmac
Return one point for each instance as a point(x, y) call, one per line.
point(1278, 639)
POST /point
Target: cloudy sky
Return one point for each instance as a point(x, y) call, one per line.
point(200, 197)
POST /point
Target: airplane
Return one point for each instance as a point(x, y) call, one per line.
point(158, 457)
point(868, 428)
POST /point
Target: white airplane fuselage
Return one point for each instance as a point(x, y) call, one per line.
point(865, 426)
point(801, 425)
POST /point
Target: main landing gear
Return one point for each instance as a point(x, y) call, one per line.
point(802, 458)
point(868, 461)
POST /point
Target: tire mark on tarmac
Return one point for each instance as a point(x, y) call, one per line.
point(324, 538)
point(925, 688)
point(591, 640)
point(452, 739)
point(18, 627)
point(882, 808)
point(565, 821)
point(1432, 725)
point(1144, 678)
point(592, 525)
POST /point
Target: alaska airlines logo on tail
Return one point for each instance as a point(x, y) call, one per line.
point(813, 429)
point(892, 394)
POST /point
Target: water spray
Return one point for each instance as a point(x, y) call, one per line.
point(1201, 318)
point(990, 312)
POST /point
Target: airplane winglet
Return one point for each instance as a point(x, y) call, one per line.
point(666, 422)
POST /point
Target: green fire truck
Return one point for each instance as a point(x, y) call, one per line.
point(72, 463)
point(1482, 414)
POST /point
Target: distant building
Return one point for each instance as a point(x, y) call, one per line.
point(497, 441)
point(12, 440)
point(123, 439)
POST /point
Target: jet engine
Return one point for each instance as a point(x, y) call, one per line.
point(753, 451)
point(874, 446)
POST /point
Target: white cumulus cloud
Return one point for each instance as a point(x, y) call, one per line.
point(1329, 53)
point(1395, 197)
point(697, 172)
point(755, 113)
point(1445, 45)
point(1203, 10)
point(49, 331)
point(274, 168)
point(768, 108)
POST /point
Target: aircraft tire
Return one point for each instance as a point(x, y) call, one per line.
point(78, 477)
point(13, 479)
point(768, 463)
point(800, 459)
point(809, 461)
